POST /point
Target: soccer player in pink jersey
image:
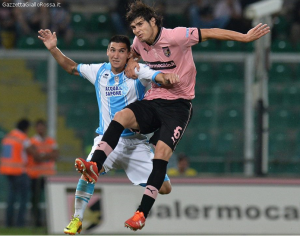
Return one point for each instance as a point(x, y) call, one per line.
point(167, 109)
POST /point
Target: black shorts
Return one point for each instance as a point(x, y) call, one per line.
point(171, 117)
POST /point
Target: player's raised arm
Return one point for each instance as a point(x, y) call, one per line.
point(50, 41)
point(221, 34)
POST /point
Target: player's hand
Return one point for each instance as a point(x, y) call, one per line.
point(129, 70)
point(170, 79)
point(257, 32)
point(49, 39)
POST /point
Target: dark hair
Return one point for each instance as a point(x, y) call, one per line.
point(23, 124)
point(181, 157)
point(139, 9)
point(121, 39)
point(40, 122)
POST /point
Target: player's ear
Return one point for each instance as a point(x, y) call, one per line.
point(152, 21)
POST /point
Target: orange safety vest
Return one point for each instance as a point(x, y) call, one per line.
point(46, 168)
point(13, 157)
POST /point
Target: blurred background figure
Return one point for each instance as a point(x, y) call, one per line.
point(7, 26)
point(15, 147)
point(201, 16)
point(40, 167)
point(182, 168)
point(61, 20)
point(231, 9)
point(118, 17)
point(31, 19)
point(295, 27)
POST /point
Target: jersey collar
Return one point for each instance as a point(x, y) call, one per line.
point(157, 36)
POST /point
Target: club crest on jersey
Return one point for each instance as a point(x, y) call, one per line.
point(167, 51)
point(116, 79)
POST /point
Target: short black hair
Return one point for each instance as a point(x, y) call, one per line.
point(139, 9)
point(181, 157)
point(23, 124)
point(40, 122)
point(120, 39)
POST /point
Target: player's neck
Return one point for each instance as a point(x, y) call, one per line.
point(117, 70)
point(154, 35)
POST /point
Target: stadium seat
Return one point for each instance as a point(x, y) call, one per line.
point(280, 72)
point(201, 143)
point(78, 22)
point(229, 144)
point(279, 118)
point(79, 44)
point(292, 96)
point(281, 26)
point(276, 96)
point(202, 98)
point(231, 97)
point(206, 46)
point(100, 23)
point(237, 167)
point(232, 118)
point(61, 43)
point(214, 167)
point(279, 145)
point(205, 73)
point(229, 71)
point(101, 43)
point(29, 42)
point(298, 73)
point(248, 47)
point(230, 46)
point(280, 45)
point(203, 118)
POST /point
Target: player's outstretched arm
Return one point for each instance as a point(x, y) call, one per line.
point(50, 41)
point(221, 34)
point(167, 79)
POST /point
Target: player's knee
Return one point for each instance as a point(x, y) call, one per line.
point(165, 189)
point(125, 117)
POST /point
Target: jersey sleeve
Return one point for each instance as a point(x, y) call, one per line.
point(186, 36)
point(89, 71)
point(146, 75)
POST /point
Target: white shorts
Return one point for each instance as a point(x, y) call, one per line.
point(134, 155)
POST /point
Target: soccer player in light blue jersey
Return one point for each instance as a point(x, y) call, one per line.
point(114, 91)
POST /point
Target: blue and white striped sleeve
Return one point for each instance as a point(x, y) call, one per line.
point(89, 71)
point(147, 75)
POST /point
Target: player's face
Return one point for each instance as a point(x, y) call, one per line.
point(144, 30)
point(118, 55)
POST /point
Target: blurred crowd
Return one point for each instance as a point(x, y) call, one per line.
point(16, 22)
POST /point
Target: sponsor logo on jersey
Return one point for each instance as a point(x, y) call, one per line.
point(161, 65)
point(113, 91)
point(166, 51)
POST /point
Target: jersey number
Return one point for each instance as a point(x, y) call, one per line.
point(177, 134)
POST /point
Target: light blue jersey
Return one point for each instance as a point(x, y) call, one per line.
point(114, 92)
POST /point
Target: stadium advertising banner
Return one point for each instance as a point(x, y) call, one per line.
point(195, 206)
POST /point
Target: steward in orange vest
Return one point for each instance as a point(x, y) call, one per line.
point(44, 145)
point(15, 147)
point(38, 168)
